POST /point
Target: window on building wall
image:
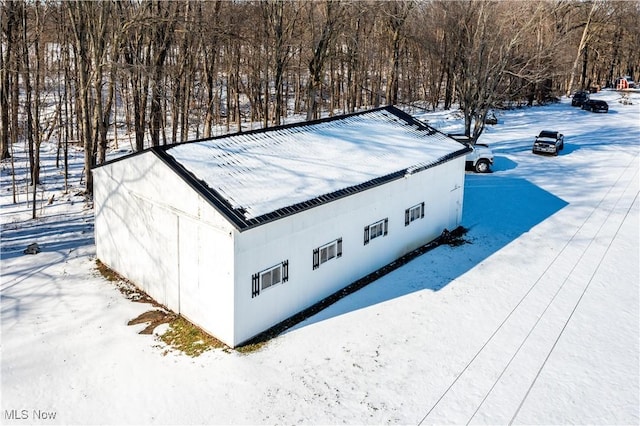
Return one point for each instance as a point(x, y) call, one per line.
point(269, 277)
point(413, 213)
point(327, 252)
point(375, 230)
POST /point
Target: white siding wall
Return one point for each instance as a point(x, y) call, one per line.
point(294, 238)
point(152, 228)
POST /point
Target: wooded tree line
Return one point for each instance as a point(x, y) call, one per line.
point(161, 72)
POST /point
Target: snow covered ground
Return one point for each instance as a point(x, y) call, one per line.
point(537, 321)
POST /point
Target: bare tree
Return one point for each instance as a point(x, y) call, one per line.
point(7, 70)
point(12, 68)
point(281, 19)
point(137, 57)
point(396, 16)
point(161, 30)
point(182, 73)
point(332, 13)
point(104, 53)
point(593, 7)
point(489, 50)
point(212, 33)
point(79, 16)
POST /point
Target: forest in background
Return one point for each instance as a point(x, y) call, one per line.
point(162, 72)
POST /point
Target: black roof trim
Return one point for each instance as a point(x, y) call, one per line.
point(237, 216)
point(124, 157)
point(389, 108)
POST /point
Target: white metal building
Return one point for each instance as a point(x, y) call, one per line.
point(238, 233)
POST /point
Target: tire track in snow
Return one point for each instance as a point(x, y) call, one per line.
point(544, 363)
point(508, 389)
point(530, 324)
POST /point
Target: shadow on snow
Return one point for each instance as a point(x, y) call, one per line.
point(497, 210)
point(52, 233)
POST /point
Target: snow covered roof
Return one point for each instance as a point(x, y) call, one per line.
point(263, 175)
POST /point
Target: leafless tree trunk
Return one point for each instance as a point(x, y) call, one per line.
point(14, 66)
point(79, 18)
point(137, 58)
point(210, 53)
point(6, 48)
point(583, 43)
point(25, 68)
point(280, 20)
point(396, 16)
point(37, 134)
point(161, 37)
point(321, 48)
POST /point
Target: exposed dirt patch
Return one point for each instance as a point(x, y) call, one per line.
point(454, 238)
point(153, 319)
point(108, 273)
point(190, 339)
point(127, 288)
point(181, 335)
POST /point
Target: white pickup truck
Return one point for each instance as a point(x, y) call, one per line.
point(480, 159)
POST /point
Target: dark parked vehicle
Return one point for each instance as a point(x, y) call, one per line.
point(548, 142)
point(595, 106)
point(579, 98)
